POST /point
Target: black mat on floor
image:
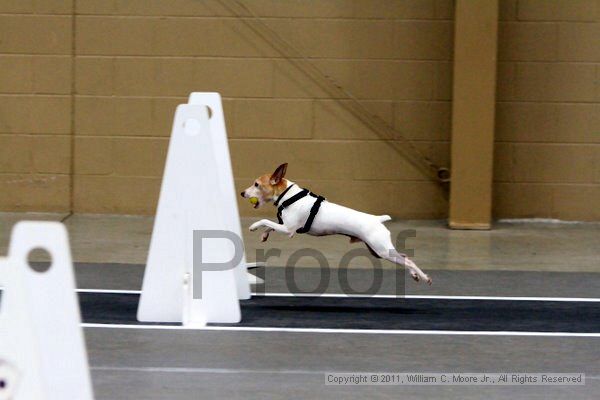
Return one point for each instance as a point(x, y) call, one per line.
point(379, 313)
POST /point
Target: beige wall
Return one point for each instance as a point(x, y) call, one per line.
point(473, 113)
point(547, 161)
point(107, 82)
point(35, 104)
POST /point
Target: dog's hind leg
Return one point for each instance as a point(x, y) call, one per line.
point(354, 239)
point(383, 247)
point(416, 272)
point(373, 253)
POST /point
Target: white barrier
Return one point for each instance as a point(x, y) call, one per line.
point(42, 351)
point(197, 194)
point(231, 218)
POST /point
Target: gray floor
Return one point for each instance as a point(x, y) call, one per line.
point(447, 283)
point(176, 364)
point(549, 260)
point(247, 365)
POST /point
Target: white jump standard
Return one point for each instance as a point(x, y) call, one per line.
point(42, 350)
point(197, 194)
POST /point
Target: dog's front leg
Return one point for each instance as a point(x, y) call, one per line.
point(270, 225)
point(265, 235)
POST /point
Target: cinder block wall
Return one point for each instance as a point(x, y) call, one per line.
point(137, 60)
point(547, 161)
point(35, 104)
point(134, 61)
point(88, 89)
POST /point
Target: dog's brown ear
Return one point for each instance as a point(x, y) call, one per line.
point(278, 174)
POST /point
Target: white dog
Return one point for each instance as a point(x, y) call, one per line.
point(300, 211)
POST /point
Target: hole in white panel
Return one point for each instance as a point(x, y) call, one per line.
point(9, 378)
point(210, 113)
point(39, 259)
point(191, 127)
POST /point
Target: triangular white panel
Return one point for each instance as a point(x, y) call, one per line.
point(191, 198)
point(42, 350)
point(231, 220)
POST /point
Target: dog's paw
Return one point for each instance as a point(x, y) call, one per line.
point(429, 281)
point(415, 276)
point(254, 226)
point(264, 237)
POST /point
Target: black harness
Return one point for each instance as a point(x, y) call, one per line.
point(313, 211)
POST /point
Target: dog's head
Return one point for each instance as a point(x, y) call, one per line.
point(267, 186)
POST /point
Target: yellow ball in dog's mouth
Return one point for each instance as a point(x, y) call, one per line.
point(254, 200)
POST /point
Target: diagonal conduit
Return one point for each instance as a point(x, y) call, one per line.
point(342, 96)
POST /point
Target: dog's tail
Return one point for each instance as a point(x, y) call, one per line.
point(384, 218)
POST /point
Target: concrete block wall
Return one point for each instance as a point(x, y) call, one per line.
point(547, 161)
point(88, 90)
point(35, 104)
point(134, 61)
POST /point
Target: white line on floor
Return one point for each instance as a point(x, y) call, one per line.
point(111, 291)
point(348, 331)
point(383, 296)
point(438, 297)
point(209, 370)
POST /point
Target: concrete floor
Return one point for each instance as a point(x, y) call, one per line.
point(131, 364)
point(532, 259)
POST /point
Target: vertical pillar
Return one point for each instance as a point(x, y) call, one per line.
point(473, 111)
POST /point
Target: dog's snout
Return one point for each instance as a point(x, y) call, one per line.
point(243, 194)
